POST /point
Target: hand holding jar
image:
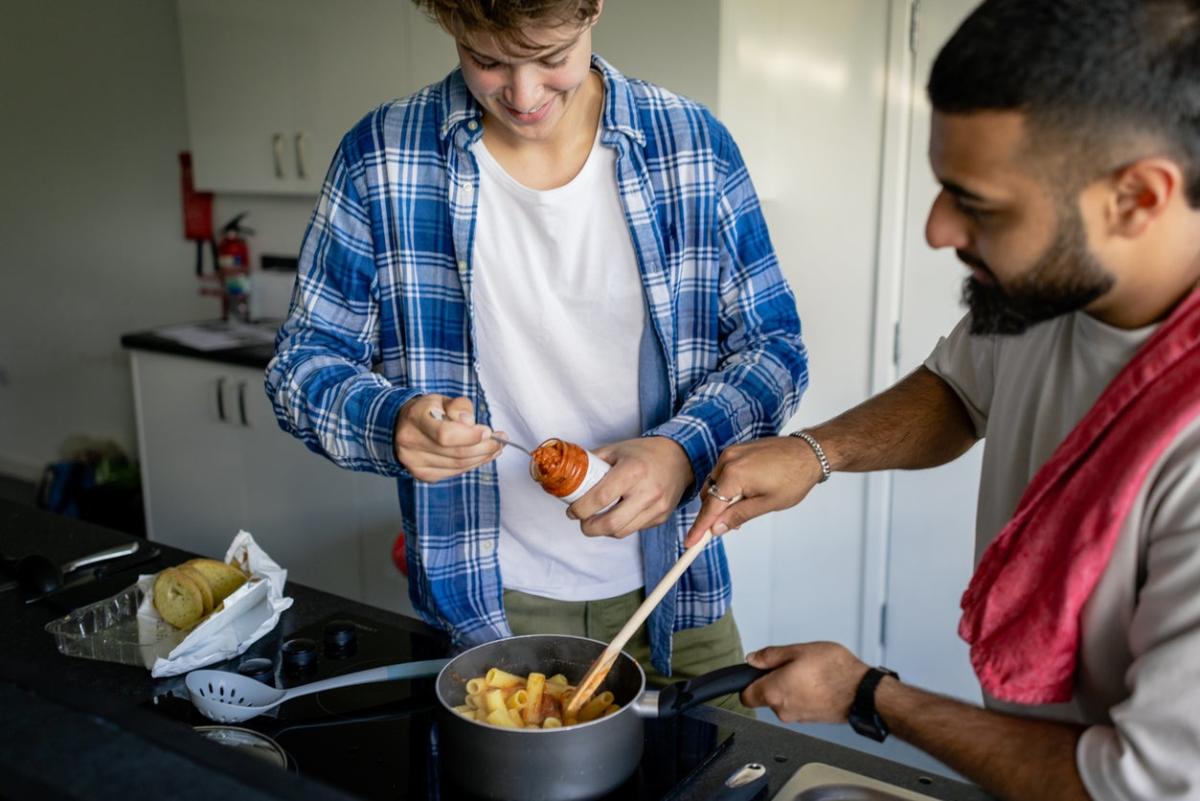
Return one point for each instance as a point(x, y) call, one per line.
point(648, 476)
point(437, 437)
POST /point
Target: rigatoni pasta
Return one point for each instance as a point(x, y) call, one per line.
point(534, 701)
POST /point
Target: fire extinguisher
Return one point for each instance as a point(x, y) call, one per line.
point(233, 252)
point(233, 262)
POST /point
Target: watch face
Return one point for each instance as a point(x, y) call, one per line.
point(875, 729)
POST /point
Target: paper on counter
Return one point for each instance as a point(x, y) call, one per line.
point(217, 335)
point(249, 612)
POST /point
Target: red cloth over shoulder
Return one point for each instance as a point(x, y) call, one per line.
point(1021, 611)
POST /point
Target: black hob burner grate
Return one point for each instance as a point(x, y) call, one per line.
point(379, 741)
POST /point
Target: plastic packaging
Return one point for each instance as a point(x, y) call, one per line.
point(126, 628)
point(108, 630)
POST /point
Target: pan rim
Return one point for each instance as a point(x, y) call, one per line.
point(627, 708)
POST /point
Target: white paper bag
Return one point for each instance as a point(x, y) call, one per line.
point(249, 612)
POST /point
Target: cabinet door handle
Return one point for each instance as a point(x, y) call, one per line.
point(242, 402)
point(277, 150)
point(301, 171)
point(221, 398)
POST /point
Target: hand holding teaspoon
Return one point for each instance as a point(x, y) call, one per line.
point(438, 414)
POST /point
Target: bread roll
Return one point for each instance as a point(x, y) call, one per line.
point(178, 598)
point(222, 578)
point(202, 582)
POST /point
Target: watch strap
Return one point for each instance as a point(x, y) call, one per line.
point(864, 717)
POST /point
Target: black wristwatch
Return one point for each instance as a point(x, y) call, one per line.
point(864, 717)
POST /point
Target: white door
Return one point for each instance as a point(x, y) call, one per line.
point(190, 452)
point(932, 520)
point(801, 91)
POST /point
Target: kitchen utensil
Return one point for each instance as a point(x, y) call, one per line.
point(507, 441)
point(40, 577)
point(595, 675)
point(744, 784)
point(78, 581)
point(439, 415)
point(34, 573)
point(232, 698)
point(81, 579)
point(254, 743)
point(101, 573)
point(115, 552)
point(586, 760)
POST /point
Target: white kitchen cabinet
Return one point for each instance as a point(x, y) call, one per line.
point(214, 460)
point(272, 85)
point(299, 505)
point(190, 452)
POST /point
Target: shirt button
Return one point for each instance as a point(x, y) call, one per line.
point(472, 125)
point(467, 189)
point(487, 547)
point(462, 265)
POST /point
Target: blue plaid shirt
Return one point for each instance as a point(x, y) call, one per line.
point(382, 313)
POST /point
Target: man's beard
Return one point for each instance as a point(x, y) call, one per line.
point(1065, 279)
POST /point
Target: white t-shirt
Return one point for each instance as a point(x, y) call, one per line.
point(559, 314)
point(1138, 679)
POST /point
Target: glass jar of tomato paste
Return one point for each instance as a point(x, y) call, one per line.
point(565, 470)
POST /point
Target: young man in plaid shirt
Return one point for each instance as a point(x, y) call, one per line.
point(541, 246)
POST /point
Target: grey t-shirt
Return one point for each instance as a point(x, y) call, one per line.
point(1138, 681)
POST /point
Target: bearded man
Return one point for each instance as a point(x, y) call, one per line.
point(1066, 137)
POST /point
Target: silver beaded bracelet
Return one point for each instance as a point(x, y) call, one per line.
point(826, 471)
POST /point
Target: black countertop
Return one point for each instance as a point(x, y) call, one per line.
point(75, 728)
point(249, 356)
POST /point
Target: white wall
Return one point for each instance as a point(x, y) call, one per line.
point(90, 220)
point(673, 43)
point(801, 89)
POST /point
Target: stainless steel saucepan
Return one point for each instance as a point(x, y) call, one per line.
point(583, 761)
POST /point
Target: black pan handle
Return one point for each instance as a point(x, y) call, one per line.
point(684, 695)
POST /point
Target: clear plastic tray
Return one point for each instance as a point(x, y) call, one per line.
point(108, 630)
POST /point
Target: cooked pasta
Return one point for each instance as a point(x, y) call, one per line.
point(528, 702)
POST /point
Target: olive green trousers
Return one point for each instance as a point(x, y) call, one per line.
point(693, 651)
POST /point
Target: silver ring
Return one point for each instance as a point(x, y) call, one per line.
point(712, 491)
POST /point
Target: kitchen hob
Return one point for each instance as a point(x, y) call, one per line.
point(380, 741)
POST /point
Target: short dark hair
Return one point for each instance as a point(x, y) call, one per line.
point(1093, 76)
point(507, 20)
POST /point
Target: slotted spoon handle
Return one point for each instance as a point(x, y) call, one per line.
point(404, 670)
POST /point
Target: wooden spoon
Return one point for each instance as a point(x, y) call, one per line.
point(599, 669)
